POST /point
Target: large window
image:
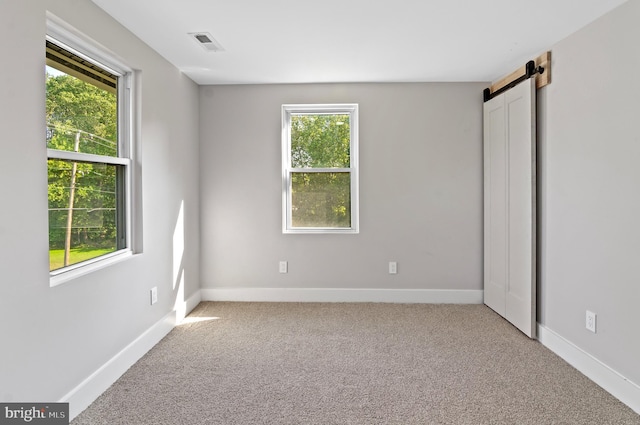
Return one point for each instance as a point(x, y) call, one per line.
point(320, 174)
point(89, 156)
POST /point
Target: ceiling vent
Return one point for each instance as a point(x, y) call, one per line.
point(207, 42)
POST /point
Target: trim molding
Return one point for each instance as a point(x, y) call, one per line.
point(93, 386)
point(99, 381)
point(424, 296)
point(193, 301)
point(613, 382)
point(182, 309)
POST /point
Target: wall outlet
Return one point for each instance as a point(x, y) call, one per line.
point(393, 267)
point(591, 321)
point(154, 295)
point(284, 267)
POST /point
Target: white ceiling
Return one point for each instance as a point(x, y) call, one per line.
point(304, 41)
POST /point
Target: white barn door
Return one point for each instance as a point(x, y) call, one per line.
point(510, 205)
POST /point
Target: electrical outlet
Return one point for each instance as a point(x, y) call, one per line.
point(154, 295)
point(393, 267)
point(591, 321)
point(284, 267)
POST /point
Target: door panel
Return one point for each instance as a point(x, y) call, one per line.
point(510, 221)
point(495, 246)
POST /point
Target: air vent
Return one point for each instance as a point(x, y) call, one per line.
point(202, 38)
point(207, 42)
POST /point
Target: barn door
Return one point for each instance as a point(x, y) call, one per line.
point(509, 205)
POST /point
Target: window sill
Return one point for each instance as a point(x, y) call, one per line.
point(75, 271)
point(312, 231)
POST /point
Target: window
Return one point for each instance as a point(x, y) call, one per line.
point(319, 168)
point(89, 155)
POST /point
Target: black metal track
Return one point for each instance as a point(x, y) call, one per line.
point(530, 71)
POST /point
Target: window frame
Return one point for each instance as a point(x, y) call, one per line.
point(288, 110)
point(66, 37)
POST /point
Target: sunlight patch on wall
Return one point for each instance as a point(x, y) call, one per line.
point(178, 248)
point(178, 265)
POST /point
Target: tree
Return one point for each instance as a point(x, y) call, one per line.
point(81, 117)
point(323, 198)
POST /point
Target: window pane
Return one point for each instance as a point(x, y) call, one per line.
point(82, 211)
point(81, 117)
point(320, 141)
point(321, 200)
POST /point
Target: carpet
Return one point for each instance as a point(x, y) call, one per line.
point(351, 363)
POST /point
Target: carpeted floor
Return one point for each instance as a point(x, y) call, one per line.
point(305, 363)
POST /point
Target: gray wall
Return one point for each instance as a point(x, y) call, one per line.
point(590, 156)
point(420, 157)
point(420, 189)
point(54, 338)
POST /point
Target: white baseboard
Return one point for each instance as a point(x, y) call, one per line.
point(620, 387)
point(193, 301)
point(90, 389)
point(93, 386)
point(424, 296)
point(182, 309)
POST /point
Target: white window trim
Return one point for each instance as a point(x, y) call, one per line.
point(86, 157)
point(67, 37)
point(343, 108)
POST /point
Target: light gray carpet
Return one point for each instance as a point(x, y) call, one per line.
point(301, 363)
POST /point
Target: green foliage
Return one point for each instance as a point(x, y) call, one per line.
point(74, 105)
point(81, 117)
point(321, 199)
point(320, 141)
